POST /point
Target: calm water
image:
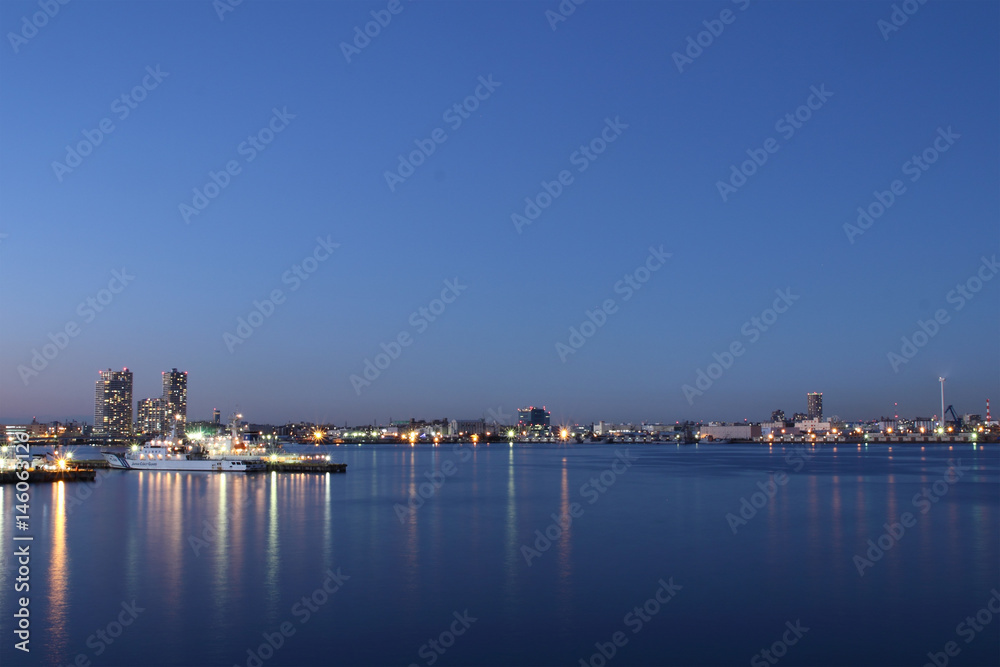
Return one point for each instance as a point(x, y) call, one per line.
point(213, 562)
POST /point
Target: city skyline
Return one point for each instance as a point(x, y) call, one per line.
point(174, 383)
point(615, 221)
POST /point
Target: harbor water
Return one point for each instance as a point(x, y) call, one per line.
point(536, 555)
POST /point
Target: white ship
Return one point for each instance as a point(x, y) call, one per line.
point(168, 454)
point(158, 456)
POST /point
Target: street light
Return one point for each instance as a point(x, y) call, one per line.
point(941, 380)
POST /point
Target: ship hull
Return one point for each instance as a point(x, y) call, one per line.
point(122, 462)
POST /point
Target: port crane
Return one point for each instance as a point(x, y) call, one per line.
point(958, 422)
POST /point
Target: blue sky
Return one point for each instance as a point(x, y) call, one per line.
point(494, 347)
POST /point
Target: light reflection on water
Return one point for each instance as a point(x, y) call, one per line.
point(276, 534)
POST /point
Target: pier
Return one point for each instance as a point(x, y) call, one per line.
point(315, 467)
point(49, 476)
point(89, 466)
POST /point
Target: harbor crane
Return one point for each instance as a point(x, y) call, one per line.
point(958, 422)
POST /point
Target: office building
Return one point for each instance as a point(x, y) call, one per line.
point(533, 418)
point(113, 404)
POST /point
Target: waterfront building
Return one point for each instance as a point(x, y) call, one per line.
point(533, 418)
point(113, 403)
point(175, 400)
point(32, 431)
point(467, 427)
point(731, 432)
point(814, 405)
point(778, 416)
point(813, 426)
point(886, 425)
point(151, 417)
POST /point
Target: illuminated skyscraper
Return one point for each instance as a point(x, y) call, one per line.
point(175, 390)
point(151, 417)
point(814, 405)
point(113, 404)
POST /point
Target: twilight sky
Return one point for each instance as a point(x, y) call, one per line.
point(640, 211)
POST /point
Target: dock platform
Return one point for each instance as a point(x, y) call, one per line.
point(274, 466)
point(49, 476)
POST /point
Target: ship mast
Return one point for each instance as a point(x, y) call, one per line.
point(234, 436)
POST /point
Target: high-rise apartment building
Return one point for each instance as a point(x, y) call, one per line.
point(151, 417)
point(814, 405)
point(175, 400)
point(113, 404)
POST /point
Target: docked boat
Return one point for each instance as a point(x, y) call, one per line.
point(168, 455)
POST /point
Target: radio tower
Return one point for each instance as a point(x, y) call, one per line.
point(988, 420)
